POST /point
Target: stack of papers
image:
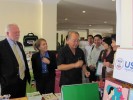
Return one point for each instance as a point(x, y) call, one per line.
point(58, 95)
point(5, 97)
point(34, 96)
point(49, 96)
point(23, 98)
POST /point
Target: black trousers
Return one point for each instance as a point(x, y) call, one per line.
point(16, 90)
point(45, 84)
point(93, 76)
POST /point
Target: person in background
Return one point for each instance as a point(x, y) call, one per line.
point(93, 58)
point(88, 49)
point(71, 61)
point(82, 44)
point(14, 71)
point(114, 46)
point(106, 55)
point(44, 65)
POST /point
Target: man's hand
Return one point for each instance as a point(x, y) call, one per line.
point(87, 74)
point(78, 64)
point(107, 64)
point(33, 84)
point(92, 67)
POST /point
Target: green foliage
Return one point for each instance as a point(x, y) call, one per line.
point(62, 41)
point(29, 87)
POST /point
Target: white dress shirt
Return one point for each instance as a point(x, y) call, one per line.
point(88, 49)
point(93, 58)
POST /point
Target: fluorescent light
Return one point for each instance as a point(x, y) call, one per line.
point(105, 22)
point(66, 19)
point(83, 11)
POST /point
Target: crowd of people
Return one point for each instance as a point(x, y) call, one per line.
point(72, 61)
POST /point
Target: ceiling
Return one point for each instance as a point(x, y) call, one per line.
point(99, 14)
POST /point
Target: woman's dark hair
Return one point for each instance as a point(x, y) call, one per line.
point(113, 37)
point(110, 89)
point(107, 40)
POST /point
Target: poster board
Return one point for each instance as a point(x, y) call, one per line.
point(88, 91)
point(113, 91)
point(123, 65)
point(130, 94)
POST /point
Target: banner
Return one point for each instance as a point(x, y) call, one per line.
point(123, 66)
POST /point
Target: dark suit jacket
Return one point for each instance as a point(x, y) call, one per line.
point(37, 65)
point(9, 65)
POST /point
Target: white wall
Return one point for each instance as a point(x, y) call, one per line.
point(25, 13)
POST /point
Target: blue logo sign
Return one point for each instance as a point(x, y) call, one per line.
point(127, 65)
point(119, 63)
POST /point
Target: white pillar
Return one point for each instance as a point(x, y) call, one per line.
point(124, 29)
point(49, 22)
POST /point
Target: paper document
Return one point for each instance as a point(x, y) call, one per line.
point(99, 68)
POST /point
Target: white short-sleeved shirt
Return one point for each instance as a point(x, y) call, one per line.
point(95, 55)
point(88, 49)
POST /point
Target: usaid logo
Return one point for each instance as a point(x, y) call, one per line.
point(119, 63)
point(129, 65)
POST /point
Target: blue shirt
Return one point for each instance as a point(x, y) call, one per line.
point(44, 65)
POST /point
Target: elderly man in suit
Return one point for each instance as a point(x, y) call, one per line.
point(14, 71)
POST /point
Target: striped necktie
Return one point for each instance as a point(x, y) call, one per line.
point(20, 61)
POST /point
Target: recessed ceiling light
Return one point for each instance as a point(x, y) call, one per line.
point(66, 19)
point(113, 0)
point(105, 22)
point(83, 11)
point(90, 25)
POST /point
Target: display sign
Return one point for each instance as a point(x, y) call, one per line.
point(113, 91)
point(123, 65)
point(130, 94)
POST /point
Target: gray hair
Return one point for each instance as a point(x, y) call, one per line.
point(7, 29)
point(72, 32)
